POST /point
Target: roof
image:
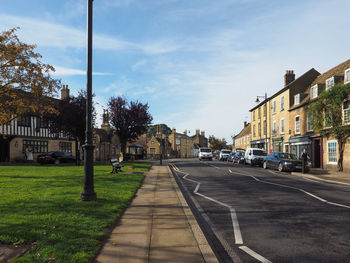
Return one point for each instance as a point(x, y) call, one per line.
point(183, 136)
point(245, 131)
point(304, 79)
point(335, 71)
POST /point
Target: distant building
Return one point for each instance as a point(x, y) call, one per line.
point(242, 139)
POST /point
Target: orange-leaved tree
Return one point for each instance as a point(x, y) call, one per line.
point(26, 84)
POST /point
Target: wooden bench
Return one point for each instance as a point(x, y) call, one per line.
point(117, 164)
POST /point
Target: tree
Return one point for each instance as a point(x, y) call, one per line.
point(129, 119)
point(163, 127)
point(71, 118)
point(217, 144)
point(327, 112)
point(26, 85)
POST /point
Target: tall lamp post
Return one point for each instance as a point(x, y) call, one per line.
point(89, 193)
point(257, 101)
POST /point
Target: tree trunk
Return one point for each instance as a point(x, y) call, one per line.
point(341, 153)
point(77, 155)
point(123, 146)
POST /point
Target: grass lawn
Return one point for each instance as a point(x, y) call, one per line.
point(41, 205)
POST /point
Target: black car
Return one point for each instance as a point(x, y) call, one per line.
point(230, 158)
point(282, 162)
point(56, 158)
point(238, 157)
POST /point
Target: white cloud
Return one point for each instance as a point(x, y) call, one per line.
point(139, 64)
point(62, 71)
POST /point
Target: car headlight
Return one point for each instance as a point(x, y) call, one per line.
point(287, 163)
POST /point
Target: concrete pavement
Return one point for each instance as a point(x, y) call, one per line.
point(326, 176)
point(157, 227)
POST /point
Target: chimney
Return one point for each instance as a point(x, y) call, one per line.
point(64, 92)
point(245, 124)
point(197, 132)
point(105, 121)
point(173, 130)
point(203, 133)
point(289, 77)
point(185, 132)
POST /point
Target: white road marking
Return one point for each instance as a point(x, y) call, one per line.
point(254, 254)
point(295, 188)
point(236, 229)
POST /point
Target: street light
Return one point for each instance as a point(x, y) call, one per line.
point(89, 193)
point(257, 101)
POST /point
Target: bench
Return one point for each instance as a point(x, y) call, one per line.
point(117, 164)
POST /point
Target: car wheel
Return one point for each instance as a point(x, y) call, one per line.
point(265, 165)
point(57, 161)
point(251, 163)
point(280, 167)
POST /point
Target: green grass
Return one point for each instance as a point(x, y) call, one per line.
point(41, 205)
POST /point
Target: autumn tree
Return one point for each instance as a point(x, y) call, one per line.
point(217, 144)
point(327, 113)
point(152, 130)
point(129, 119)
point(25, 82)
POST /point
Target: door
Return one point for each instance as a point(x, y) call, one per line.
point(4, 150)
point(317, 153)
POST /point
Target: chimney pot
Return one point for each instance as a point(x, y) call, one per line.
point(289, 77)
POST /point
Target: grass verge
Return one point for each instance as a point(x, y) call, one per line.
point(41, 205)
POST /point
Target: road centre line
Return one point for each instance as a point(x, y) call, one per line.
point(254, 254)
point(236, 229)
point(295, 188)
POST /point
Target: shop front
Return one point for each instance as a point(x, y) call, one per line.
point(260, 143)
point(277, 144)
point(298, 144)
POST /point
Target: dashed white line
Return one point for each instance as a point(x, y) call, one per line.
point(254, 254)
point(236, 229)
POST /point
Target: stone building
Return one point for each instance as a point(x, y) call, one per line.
point(182, 145)
point(243, 139)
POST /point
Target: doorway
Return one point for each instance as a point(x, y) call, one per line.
point(317, 153)
point(4, 150)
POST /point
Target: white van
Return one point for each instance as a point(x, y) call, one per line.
point(254, 156)
point(205, 153)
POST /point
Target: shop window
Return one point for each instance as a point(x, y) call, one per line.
point(332, 152)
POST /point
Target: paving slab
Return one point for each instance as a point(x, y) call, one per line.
point(158, 226)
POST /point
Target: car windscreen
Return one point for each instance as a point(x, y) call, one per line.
point(205, 150)
point(288, 156)
point(259, 152)
point(226, 152)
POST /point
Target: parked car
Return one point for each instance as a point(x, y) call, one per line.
point(205, 153)
point(224, 154)
point(254, 156)
point(216, 155)
point(282, 162)
point(238, 157)
point(56, 158)
point(231, 156)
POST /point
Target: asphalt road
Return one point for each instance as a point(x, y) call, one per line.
point(254, 215)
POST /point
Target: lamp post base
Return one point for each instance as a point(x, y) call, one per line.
point(88, 196)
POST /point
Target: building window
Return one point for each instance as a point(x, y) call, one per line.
point(265, 109)
point(347, 76)
point(259, 113)
point(329, 83)
point(152, 150)
point(65, 147)
point(274, 106)
point(42, 123)
point(332, 152)
point(297, 125)
point(259, 129)
point(253, 115)
point(265, 127)
point(327, 118)
point(314, 91)
point(282, 126)
point(310, 122)
point(274, 128)
point(297, 99)
point(254, 134)
point(282, 103)
point(35, 146)
point(346, 112)
point(24, 121)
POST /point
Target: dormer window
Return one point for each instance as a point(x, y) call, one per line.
point(297, 99)
point(347, 76)
point(329, 83)
point(314, 91)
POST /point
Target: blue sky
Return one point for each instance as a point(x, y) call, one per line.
point(199, 64)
